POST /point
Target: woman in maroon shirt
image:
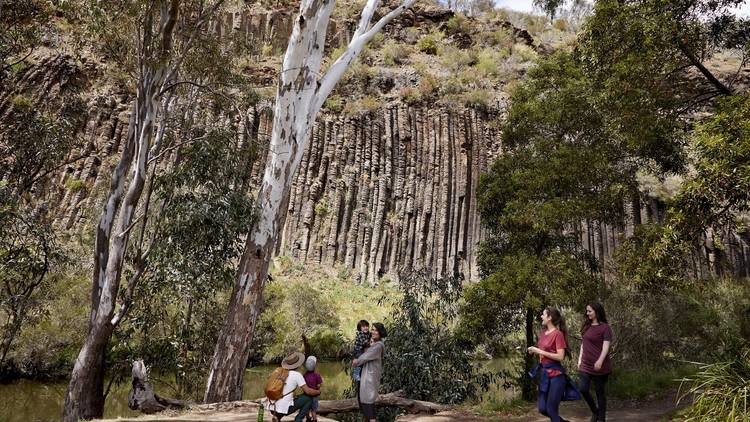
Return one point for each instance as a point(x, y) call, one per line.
point(593, 362)
point(552, 348)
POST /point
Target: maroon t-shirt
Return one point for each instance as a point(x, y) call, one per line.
point(313, 380)
point(593, 342)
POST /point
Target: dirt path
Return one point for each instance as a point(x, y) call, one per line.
point(654, 410)
point(239, 411)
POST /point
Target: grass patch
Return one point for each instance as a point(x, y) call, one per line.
point(496, 406)
point(351, 302)
point(643, 383)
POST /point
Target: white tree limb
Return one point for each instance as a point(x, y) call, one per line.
point(361, 37)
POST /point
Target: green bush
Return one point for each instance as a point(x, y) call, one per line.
point(501, 39)
point(477, 98)
point(74, 185)
point(366, 104)
point(423, 356)
point(430, 43)
point(291, 310)
point(21, 102)
point(721, 391)
point(328, 343)
point(456, 59)
point(458, 24)
point(487, 63)
point(524, 52)
point(334, 104)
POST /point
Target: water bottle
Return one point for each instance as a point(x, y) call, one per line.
point(261, 409)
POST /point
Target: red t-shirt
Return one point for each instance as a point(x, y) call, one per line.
point(593, 342)
point(551, 343)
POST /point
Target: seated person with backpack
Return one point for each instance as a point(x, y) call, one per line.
point(280, 389)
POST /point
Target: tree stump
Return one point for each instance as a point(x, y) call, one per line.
point(142, 396)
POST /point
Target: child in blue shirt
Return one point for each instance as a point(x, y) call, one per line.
point(361, 342)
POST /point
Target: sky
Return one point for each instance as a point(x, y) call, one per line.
point(527, 6)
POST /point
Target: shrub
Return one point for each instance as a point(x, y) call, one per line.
point(428, 86)
point(328, 343)
point(423, 356)
point(376, 41)
point(334, 104)
point(321, 208)
point(501, 39)
point(487, 62)
point(477, 98)
point(455, 59)
point(395, 53)
point(524, 52)
point(291, 310)
point(266, 50)
point(458, 24)
point(21, 102)
point(430, 43)
point(366, 104)
point(561, 24)
point(358, 76)
point(721, 389)
point(451, 86)
point(410, 96)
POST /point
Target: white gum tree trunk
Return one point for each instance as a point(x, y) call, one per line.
point(300, 95)
point(158, 68)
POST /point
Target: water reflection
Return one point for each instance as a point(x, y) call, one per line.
point(33, 401)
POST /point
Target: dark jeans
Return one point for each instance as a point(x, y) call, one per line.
point(598, 408)
point(302, 403)
point(549, 402)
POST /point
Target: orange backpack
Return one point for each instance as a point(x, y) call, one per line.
point(274, 388)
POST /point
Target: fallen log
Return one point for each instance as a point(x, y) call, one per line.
point(384, 400)
point(142, 396)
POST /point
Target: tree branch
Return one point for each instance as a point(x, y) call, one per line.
point(357, 43)
point(697, 63)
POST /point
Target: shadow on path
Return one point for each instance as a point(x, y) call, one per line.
point(653, 410)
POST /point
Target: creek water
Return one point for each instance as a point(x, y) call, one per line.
point(35, 401)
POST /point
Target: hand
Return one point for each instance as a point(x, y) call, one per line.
point(533, 350)
point(579, 364)
point(598, 365)
point(355, 362)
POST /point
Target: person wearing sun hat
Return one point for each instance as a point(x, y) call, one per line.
point(288, 404)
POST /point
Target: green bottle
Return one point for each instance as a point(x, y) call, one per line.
point(260, 413)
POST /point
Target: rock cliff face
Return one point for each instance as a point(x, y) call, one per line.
point(390, 189)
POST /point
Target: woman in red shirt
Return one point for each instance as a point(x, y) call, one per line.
point(552, 348)
point(593, 361)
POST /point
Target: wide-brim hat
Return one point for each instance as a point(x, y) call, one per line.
point(293, 361)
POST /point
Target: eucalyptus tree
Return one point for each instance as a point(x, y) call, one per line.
point(157, 37)
point(300, 95)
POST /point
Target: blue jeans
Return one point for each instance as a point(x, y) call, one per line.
point(357, 373)
point(548, 402)
point(302, 403)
